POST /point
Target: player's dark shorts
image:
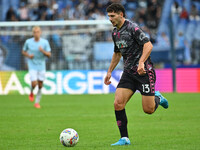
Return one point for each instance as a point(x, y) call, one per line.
point(145, 84)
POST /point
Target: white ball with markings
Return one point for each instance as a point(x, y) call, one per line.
point(69, 137)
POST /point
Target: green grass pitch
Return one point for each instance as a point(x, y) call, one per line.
point(22, 127)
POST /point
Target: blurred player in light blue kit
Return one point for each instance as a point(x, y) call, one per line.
point(36, 49)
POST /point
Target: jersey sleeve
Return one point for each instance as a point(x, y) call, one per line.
point(25, 47)
point(139, 35)
point(47, 47)
point(116, 49)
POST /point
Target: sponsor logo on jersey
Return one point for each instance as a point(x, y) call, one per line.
point(121, 44)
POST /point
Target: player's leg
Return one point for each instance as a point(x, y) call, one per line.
point(39, 94)
point(33, 78)
point(151, 100)
point(146, 85)
point(122, 96)
point(149, 104)
point(31, 95)
point(125, 89)
point(41, 77)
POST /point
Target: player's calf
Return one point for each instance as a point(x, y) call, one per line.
point(149, 110)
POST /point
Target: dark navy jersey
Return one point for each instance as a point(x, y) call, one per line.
point(129, 40)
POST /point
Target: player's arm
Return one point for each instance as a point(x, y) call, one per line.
point(24, 51)
point(147, 48)
point(30, 56)
point(144, 41)
point(48, 54)
point(115, 60)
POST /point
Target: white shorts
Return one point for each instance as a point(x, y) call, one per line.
point(37, 75)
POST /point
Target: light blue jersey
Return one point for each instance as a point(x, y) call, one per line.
point(32, 47)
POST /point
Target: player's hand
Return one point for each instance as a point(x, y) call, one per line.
point(48, 54)
point(107, 79)
point(31, 56)
point(141, 71)
point(41, 49)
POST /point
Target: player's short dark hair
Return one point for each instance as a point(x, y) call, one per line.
point(116, 8)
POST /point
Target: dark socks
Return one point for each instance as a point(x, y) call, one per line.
point(157, 101)
point(122, 122)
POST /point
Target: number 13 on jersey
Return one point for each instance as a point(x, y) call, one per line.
point(145, 88)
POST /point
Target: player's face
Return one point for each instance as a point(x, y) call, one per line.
point(115, 18)
point(36, 33)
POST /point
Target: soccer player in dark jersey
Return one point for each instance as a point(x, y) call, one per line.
point(131, 43)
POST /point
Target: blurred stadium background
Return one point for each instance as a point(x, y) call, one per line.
point(80, 37)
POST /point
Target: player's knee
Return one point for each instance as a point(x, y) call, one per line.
point(34, 84)
point(118, 105)
point(40, 85)
point(149, 110)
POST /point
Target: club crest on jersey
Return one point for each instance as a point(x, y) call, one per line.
point(121, 44)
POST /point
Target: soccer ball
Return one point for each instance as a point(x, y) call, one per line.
point(69, 137)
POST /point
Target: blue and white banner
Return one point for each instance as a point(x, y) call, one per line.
point(79, 82)
point(60, 82)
